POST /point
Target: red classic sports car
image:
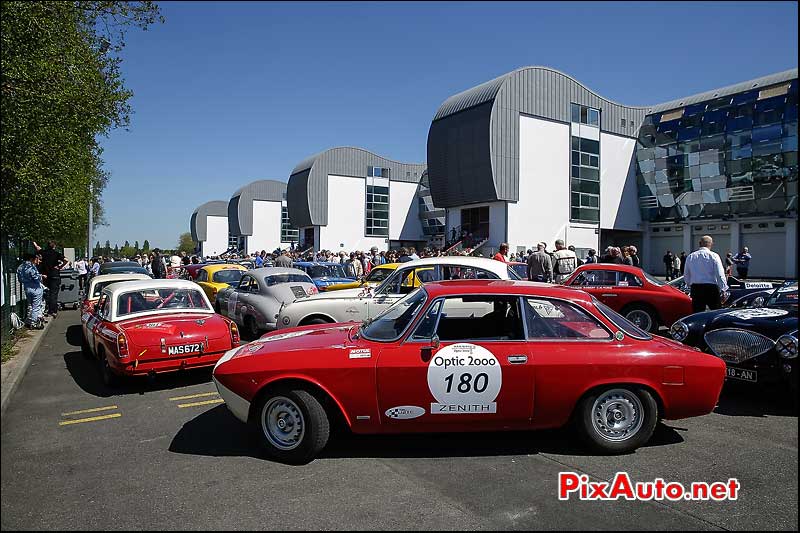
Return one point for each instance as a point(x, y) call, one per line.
point(633, 293)
point(155, 325)
point(479, 355)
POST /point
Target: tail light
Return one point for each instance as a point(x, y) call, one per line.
point(235, 339)
point(312, 290)
point(122, 346)
point(214, 291)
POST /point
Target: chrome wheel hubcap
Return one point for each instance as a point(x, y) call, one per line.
point(641, 319)
point(282, 423)
point(617, 415)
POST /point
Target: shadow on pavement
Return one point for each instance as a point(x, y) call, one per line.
point(217, 433)
point(745, 399)
point(74, 335)
point(86, 373)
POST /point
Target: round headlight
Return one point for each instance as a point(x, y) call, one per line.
point(679, 331)
point(786, 345)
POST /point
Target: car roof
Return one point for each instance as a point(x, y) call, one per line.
point(120, 264)
point(610, 266)
point(116, 288)
point(309, 263)
point(266, 271)
point(223, 266)
point(120, 276)
point(492, 265)
point(504, 287)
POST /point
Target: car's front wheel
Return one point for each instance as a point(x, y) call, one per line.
point(617, 419)
point(291, 424)
point(251, 327)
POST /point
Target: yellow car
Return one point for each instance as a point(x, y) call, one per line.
point(213, 278)
point(374, 278)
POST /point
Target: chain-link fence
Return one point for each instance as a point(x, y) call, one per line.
point(13, 296)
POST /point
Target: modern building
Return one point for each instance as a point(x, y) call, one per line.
point(209, 228)
point(351, 199)
point(534, 155)
point(259, 217)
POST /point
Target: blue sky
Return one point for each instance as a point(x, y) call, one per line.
point(226, 93)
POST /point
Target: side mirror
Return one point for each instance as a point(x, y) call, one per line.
point(435, 342)
point(758, 301)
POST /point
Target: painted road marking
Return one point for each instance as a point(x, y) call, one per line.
point(207, 402)
point(96, 409)
point(90, 419)
point(193, 396)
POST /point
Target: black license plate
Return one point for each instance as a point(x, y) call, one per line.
point(185, 349)
point(742, 374)
point(299, 292)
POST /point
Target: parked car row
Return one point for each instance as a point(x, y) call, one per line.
point(441, 344)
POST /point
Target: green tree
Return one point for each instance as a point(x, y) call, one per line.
point(136, 247)
point(107, 248)
point(62, 88)
point(116, 251)
point(185, 243)
point(146, 246)
point(97, 250)
point(127, 250)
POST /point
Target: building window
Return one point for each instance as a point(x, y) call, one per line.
point(623, 122)
point(377, 172)
point(585, 182)
point(289, 233)
point(377, 209)
point(582, 114)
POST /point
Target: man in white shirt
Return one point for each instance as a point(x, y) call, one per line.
point(82, 268)
point(705, 276)
point(564, 262)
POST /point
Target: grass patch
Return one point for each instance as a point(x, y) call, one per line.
point(9, 346)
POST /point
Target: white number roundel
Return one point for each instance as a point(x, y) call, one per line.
point(463, 373)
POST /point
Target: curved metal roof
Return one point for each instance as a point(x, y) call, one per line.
point(198, 224)
point(240, 206)
point(307, 189)
point(757, 83)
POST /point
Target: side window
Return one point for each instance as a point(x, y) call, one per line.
point(459, 272)
point(202, 276)
point(427, 326)
point(244, 284)
point(483, 317)
point(595, 278)
point(555, 319)
point(626, 279)
point(405, 281)
point(103, 307)
point(254, 288)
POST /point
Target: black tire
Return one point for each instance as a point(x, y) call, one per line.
point(585, 422)
point(315, 321)
point(110, 379)
point(316, 425)
point(217, 308)
point(251, 327)
point(637, 312)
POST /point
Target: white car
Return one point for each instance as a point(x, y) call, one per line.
point(348, 305)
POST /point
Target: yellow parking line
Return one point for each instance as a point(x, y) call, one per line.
point(193, 396)
point(96, 409)
point(207, 402)
point(90, 419)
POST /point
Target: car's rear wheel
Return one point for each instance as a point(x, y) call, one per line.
point(617, 419)
point(85, 348)
point(642, 316)
point(291, 424)
point(251, 327)
point(110, 379)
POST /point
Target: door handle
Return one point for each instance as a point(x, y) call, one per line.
point(608, 295)
point(517, 359)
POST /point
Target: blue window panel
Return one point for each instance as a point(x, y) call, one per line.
point(742, 98)
point(767, 133)
point(644, 153)
point(790, 113)
point(575, 112)
point(691, 121)
point(740, 152)
point(594, 117)
point(740, 138)
point(716, 142)
point(711, 156)
point(710, 169)
point(789, 144)
point(712, 128)
point(739, 123)
point(685, 134)
point(767, 148)
point(694, 158)
point(694, 109)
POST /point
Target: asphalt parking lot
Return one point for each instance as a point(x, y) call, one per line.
point(166, 454)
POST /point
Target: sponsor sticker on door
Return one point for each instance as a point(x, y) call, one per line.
point(464, 378)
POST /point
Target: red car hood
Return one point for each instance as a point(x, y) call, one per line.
point(306, 338)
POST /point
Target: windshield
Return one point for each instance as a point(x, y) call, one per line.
point(519, 270)
point(652, 280)
point(324, 271)
point(277, 279)
point(229, 275)
point(620, 321)
point(391, 324)
point(100, 285)
point(379, 274)
point(152, 299)
point(783, 297)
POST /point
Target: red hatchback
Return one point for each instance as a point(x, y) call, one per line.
point(468, 356)
point(633, 293)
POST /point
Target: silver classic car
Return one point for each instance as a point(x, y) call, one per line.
point(261, 294)
point(364, 303)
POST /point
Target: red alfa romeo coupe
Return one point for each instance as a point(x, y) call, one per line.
point(468, 356)
point(156, 325)
point(633, 293)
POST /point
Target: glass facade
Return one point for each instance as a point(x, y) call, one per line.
point(733, 155)
point(289, 233)
point(585, 181)
point(432, 219)
point(377, 214)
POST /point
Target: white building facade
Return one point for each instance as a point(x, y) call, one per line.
point(258, 216)
point(209, 228)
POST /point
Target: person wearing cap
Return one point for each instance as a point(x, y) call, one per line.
point(564, 262)
point(540, 266)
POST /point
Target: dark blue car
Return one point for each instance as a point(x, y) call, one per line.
point(324, 274)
